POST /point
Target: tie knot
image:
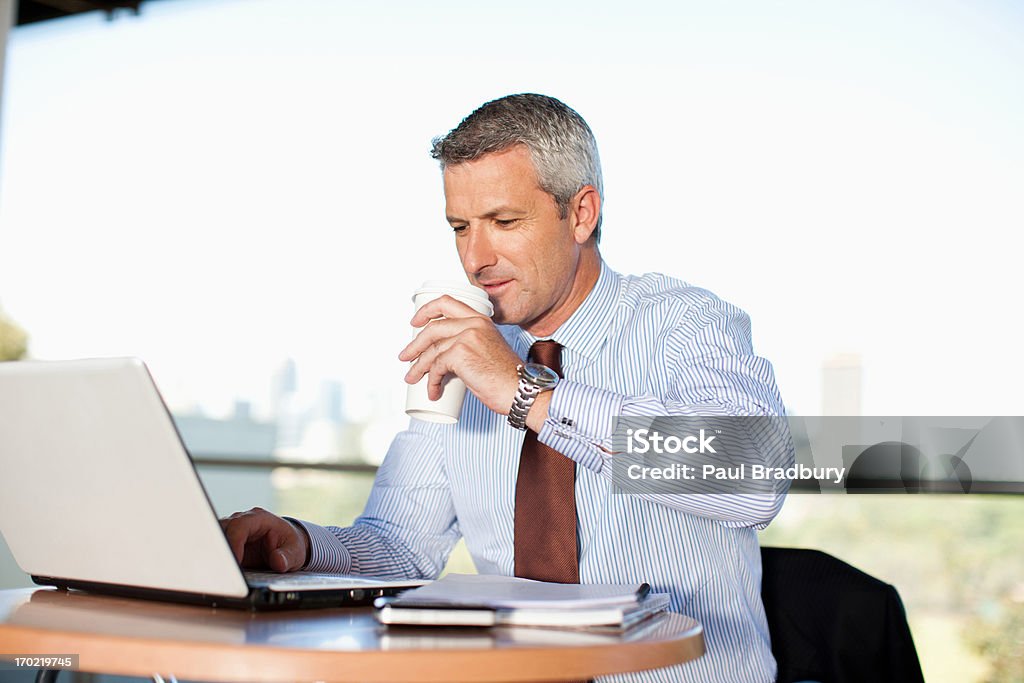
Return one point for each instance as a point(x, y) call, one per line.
point(547, 352)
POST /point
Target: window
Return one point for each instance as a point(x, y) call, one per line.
point(240, 193)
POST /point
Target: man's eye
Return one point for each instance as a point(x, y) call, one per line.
point(505, 222)
point(459, 229)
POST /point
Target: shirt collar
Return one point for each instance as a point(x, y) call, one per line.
point(587, 328)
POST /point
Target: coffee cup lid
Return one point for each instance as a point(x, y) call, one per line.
point(462, 290)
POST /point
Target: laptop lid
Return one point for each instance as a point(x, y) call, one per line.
point(95, 484)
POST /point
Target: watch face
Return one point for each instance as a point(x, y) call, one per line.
point(541, 375)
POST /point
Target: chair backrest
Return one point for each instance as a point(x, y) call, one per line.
point(832, 623)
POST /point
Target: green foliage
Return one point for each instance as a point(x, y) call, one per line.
point(942, 552)
point(322, 497)
point(13, 340)
point(1001, 642)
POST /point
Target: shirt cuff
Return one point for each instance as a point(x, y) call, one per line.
point(327, 554)
point(580, 420)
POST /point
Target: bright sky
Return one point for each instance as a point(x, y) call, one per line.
point(217, 185)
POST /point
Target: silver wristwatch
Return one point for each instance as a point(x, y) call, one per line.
point(534, 379)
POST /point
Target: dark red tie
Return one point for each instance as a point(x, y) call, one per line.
point(545, 520)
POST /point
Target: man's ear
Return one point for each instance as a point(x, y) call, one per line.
point(584, 210)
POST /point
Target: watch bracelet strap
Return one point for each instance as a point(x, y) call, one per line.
point(521, 404)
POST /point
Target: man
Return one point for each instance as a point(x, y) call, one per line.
point(525, 476)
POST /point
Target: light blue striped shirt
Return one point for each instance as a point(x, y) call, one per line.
point(646, 345)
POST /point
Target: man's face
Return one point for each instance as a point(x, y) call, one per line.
point(511, 240)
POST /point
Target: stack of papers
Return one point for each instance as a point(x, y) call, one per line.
point(476, 600)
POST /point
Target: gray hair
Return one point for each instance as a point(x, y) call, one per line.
point(560, 142)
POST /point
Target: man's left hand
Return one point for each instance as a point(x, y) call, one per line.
point(456, 340)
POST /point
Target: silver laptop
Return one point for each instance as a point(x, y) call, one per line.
point(97, 492)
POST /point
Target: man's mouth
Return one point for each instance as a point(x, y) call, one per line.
point(495, 287)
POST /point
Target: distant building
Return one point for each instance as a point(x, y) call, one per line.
point(330, 404)
point(841, 380)
point(283, 384)
point(285, 407)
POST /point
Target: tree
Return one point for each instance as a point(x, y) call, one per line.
point(13, 340)
point(1001, 642)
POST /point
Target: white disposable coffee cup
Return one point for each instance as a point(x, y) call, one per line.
point(445, 410)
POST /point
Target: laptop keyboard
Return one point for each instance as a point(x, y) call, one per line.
point(302, 580)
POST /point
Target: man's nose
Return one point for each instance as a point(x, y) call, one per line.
point(478, 252)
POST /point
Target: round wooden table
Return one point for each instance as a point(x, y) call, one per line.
point(143, 638)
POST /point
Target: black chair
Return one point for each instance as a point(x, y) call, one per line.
point(832, 623)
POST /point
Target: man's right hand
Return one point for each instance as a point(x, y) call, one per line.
point(262, 540)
